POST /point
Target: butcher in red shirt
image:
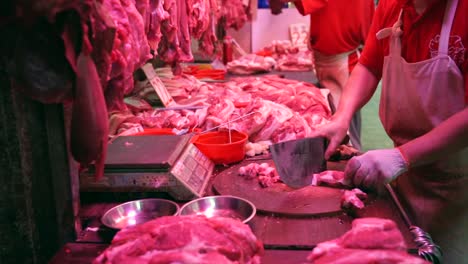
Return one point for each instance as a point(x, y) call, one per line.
point(338, 29)
point(417, 48)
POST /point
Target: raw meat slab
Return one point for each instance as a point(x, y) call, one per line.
point(278, 198)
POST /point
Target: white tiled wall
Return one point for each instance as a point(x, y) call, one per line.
point(268, 27)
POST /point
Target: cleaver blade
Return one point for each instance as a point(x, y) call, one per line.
point(296, 161)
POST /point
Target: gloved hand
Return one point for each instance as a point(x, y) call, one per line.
point(375, 168)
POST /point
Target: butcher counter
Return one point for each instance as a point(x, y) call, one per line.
point(286, 238)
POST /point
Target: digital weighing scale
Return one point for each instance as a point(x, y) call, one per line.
point(153, 163)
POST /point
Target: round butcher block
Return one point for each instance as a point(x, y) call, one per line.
point(278, 198)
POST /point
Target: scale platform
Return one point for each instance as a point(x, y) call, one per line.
point(153, 163)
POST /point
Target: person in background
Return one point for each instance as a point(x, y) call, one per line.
point(338, 29)
point(418, 49)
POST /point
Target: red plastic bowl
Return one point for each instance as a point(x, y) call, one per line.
point(216, 146)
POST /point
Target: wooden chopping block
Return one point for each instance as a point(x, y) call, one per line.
point(278, 198)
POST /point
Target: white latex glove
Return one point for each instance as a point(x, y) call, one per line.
point(375, 168)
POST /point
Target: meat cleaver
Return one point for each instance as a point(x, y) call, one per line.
point(297, 160)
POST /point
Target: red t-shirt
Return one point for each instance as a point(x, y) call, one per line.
point(337, 26)
point(420, 35)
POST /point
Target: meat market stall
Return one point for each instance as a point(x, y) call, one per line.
point(288, 222)
point(108, 78)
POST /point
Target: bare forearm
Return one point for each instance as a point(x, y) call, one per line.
point(447, 138)
point(357, 92)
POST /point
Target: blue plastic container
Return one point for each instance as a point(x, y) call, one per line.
point(266, 4)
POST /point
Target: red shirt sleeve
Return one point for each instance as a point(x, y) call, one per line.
point(306, 7)
point(372, 56)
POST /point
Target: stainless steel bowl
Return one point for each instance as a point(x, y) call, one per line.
point(138, 212)
point(222, 205)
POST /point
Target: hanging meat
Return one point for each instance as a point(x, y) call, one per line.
point(120, 47)
point(234, 14)
point(175, 45)
point(199, 16)
point(207, 41)
point(157, 14)
point(89, 123)
point(88, 51)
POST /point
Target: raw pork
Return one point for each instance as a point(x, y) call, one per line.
point(370, 240)
point(89, 114)
point(331, 178)
point(353, 199)
point(208, 39)
point(362, 256)
point(266, 174)
point(277, 109)
point(184, 239)
point(234, 13)
point(301, 61)
point(250, 64)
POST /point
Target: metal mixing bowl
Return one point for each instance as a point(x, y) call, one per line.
point(222, 205)
point(138, 212)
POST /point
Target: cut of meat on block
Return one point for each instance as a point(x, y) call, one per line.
point(184, 239)
point(278, 198)
point(370, 240)
point(264, 173)
point(353, 199)
point(331, 178)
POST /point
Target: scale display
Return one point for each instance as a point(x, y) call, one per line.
point(150, 163)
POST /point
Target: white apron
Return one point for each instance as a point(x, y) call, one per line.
point(416, 97)
point(333, 73)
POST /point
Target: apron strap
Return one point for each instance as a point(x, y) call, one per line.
point(388, 31)
point(395, 39)
point(450, 10)
point(395, 32)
